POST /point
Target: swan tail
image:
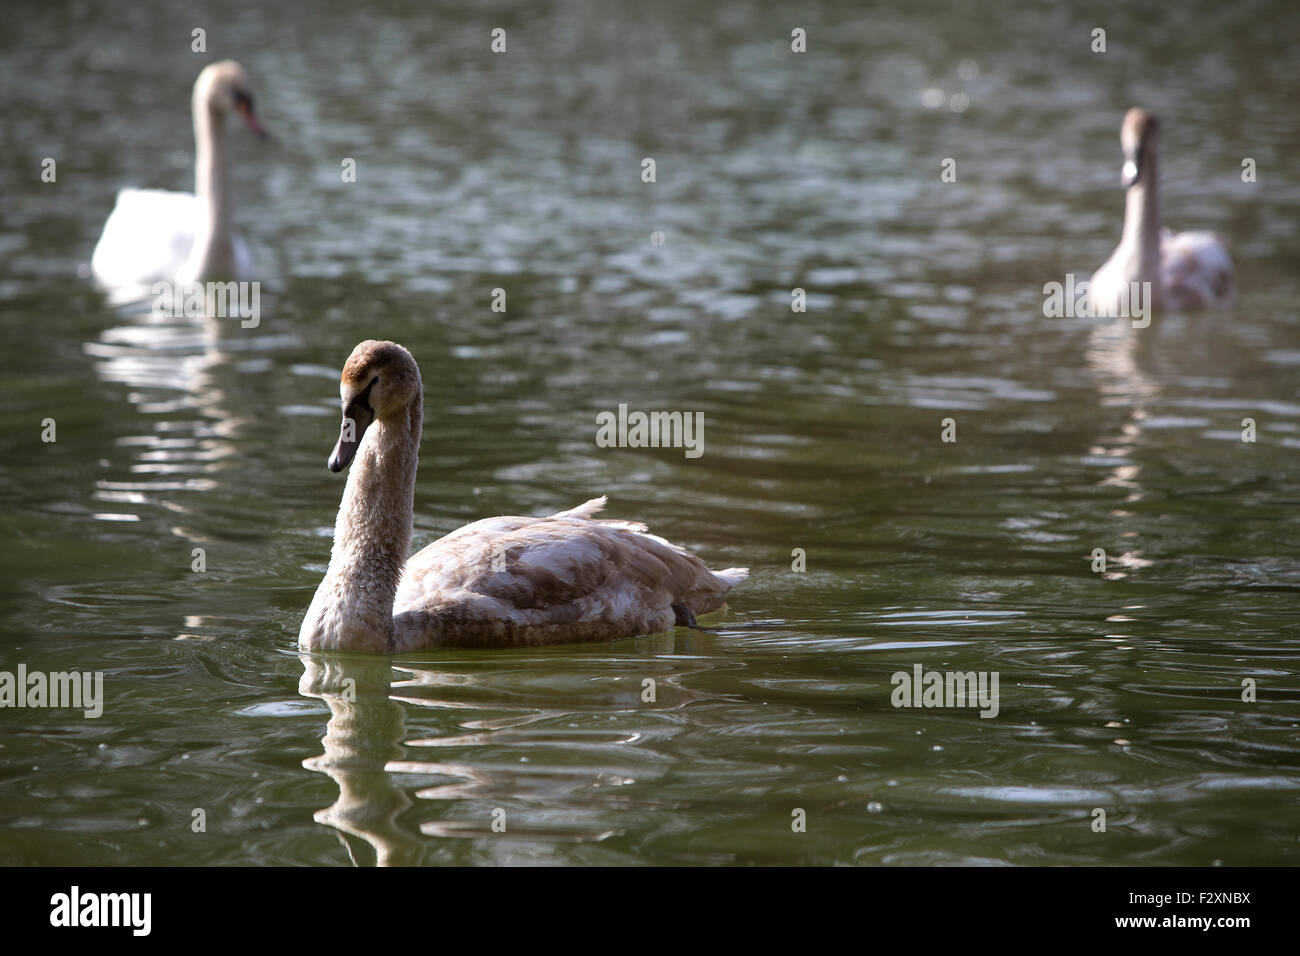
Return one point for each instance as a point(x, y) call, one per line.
point(584, 510)
point(732, 576)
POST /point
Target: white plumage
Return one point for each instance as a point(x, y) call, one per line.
point(148, 238)
point(154, 235)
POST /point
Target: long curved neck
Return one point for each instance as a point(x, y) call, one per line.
point(372, 536)
point(212, 256)
point(1142, 223)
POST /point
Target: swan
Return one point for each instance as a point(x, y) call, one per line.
point(1187, 270)
point(157, 236)
point(494, 583)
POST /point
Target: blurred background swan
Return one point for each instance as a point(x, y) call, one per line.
point(154, 235)
point(1187, 270)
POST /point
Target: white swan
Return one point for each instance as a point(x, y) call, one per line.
point(497, 582)
point(1187, 270)
point(153, 235)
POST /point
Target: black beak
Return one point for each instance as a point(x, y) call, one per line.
point(356, 419)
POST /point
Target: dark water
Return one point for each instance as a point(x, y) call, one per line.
point(1119, 690)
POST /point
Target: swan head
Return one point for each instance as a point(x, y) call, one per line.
point(1137, 137)
point(380, 381)
point(224, 88)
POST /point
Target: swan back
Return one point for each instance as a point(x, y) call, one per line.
point(1196, 270)
point(146, 238)
point(566, 577)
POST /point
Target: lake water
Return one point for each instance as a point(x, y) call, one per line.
point(1120, 690)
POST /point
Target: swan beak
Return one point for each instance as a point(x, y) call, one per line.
point(1129, 174)
point(356, 419)
point(246, 111)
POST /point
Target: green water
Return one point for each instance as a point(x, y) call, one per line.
point(1119, 690)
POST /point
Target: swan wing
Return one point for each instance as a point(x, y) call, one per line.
point(147, 237)
point(1195, 270)
point(536, 580)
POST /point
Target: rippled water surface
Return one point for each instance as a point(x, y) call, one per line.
point(1119, 690)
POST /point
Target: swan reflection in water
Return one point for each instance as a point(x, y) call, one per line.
point(428, 793)
point(187, 409)
point(364, 733)
point(1113, 358)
